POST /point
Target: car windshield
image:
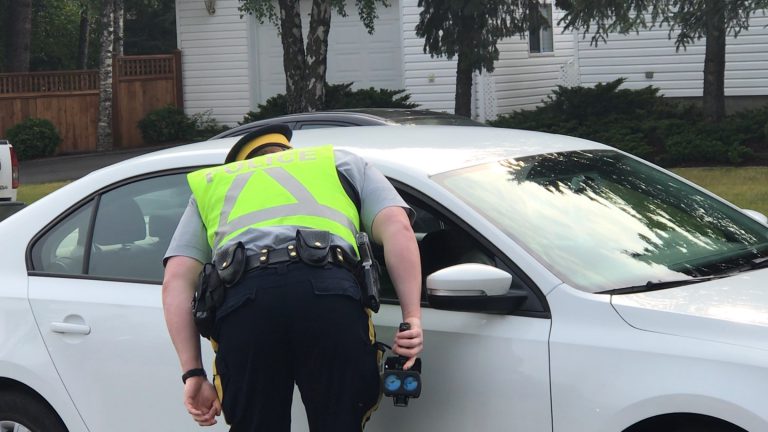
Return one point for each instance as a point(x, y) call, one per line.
point(601, 220)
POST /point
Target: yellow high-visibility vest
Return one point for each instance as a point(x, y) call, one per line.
point(298, 187)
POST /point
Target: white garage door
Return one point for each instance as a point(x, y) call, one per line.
point(353, 55)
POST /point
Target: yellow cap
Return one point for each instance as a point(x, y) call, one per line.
point(250, 144)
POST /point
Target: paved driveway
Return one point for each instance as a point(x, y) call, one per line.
point(72, 167)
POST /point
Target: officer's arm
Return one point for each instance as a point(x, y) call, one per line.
point(179, 282)
point(392, 228)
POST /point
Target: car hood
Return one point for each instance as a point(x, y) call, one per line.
point(731, 310)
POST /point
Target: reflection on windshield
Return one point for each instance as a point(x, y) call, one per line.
point(601, 220)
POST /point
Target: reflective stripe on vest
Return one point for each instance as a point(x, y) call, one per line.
point(297, 187)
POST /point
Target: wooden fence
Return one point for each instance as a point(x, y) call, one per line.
point(70, 100)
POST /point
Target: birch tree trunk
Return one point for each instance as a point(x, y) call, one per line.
point(119, 27)
point(20, 32)
point(317, 54)
point(294, 61)
point(104, 129)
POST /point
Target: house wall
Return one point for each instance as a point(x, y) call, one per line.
point(523, 79)
point(214, 59)
point(222, 54)
point(367, 60)
point(431, 82)
point(677, 73)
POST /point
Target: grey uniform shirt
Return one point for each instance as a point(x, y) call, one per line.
point(376, 194)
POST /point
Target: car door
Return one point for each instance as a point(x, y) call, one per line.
point(481, 371)
point(95, 294)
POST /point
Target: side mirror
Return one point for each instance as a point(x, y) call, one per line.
point(473, 288)
point(756, 215)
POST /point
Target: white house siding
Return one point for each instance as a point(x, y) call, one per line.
point(522, 80)
point(214, 50)
point(353, 54)
point(431, 82)
point(677, 73)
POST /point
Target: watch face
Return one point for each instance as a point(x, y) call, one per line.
point(391, 382)
point(410, 384)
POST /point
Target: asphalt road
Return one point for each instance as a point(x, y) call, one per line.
point(72, 167)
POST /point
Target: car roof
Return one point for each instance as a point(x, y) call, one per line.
point(423, 149)
point(358, 117)
point(405, 116)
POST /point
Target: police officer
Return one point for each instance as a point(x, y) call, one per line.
point(287, 321)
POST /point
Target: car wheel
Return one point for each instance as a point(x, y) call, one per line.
point(22, 412)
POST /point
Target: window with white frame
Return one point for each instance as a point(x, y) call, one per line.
point(540, 37)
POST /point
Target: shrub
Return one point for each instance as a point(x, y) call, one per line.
point(340, 96)
point(645, 124)
point(206, 126)
point(165, 125)
point(273, 107)
point(171, 124)
point(337, 96)
point(34, 138)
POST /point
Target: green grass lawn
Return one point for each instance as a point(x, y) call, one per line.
point(746, 187)
point(29, 193)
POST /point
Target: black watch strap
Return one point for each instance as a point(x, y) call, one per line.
point(193, 373)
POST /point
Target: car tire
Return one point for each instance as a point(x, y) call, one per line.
point(23, 412)
point(707, 424)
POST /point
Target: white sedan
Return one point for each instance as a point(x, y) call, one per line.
point(567, 287)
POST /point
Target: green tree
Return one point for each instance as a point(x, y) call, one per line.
point(17, 25)
point(150, 27)
point(305, 68)
point(470, 30)
point(57, 27)
point(55, 34)
point(84, 34)
point(65, 34)
point(691, 19)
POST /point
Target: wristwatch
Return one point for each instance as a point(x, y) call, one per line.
point(193, 373)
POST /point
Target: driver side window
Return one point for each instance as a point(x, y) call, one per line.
point(441, 242)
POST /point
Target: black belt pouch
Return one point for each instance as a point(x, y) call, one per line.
point(313, 246)
point(208, 296)
point(231, 263)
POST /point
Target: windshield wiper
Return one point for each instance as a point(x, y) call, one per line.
point(758, 263)
point(653, 286)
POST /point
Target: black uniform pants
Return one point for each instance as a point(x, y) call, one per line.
point(296, 324)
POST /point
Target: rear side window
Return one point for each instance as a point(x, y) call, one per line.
point(62, 250)
point(120, 234)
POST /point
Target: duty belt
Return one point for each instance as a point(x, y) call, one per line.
point(268, 256)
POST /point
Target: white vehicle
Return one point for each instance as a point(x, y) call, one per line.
point(569, 287)
point(9, 172)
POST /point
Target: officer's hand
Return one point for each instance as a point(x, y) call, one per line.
point(202, 401)
point(409, 343)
